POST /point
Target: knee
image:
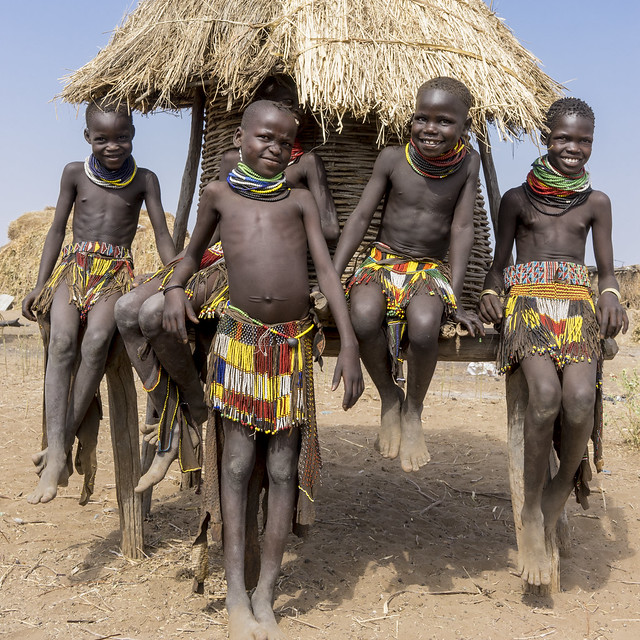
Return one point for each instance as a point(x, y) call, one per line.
point(545, 399)
point(62, 347)
point(95, 345)
point(237, 468)
point(423, 331)
point(578, 402)
point(283, 471)
point(367, 320)
point(150, 316)
point(126, 315)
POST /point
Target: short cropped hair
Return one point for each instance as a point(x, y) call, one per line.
point(260, 105)
point(567, 107)
point(106, 105)
point(449, 85)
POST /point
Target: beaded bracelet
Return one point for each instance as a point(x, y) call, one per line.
point(487, 292)
point(615, 292)
point(172, 286)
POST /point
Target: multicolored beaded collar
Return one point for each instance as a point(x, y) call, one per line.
point(101, 176)
point(548, 186)
point(438, 167)
point(296, 152)
point(249, 184)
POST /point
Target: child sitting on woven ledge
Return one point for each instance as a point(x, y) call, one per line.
point(106, 193)
point(550, 326)
point(260, 373)
point(429, 187)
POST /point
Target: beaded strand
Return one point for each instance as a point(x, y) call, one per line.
point(100, 175)
point(438, 167)
point(249, 184)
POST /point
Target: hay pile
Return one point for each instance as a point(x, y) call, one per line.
point(20, 258)
point(629, 281)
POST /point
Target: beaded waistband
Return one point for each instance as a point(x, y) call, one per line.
point(539, 272)
point(103, 248)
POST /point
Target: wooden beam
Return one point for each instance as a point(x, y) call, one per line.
point(189, 177)
point(123, 418)
point(490, 178)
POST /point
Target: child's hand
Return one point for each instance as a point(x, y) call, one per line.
point(27, 303)
point(611, 316)
point(469, 321)
point(490, 309)
point(176, 308)
point(348, 368)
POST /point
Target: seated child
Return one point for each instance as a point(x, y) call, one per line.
point(139, 313)
point(430, 188)
point(260, 374)
point(550, 326)
point(106, 193)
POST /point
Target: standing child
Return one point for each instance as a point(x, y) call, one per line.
point(106, 193)
point(260, 373)
point(550, 326)
point(429, 187)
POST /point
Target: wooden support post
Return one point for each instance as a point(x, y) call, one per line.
point(123, 417)
point(189, 177)
point(490, 177)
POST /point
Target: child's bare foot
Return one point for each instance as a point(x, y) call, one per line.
point(413, 448)
point(161, 463)
point(263, 612)
point(534, 564)
point(40, 461)
point(388, 441)
point(48, 486)
point(242, 624)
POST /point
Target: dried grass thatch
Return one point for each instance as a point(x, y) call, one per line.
point(20, 258)
point(363, 58)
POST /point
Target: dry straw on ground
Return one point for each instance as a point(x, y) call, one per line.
point(361, 58)
point(20, 258)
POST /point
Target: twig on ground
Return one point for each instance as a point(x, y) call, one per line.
point(355, 444)
point(420, 491)
point(307, 624)
point(499, 496)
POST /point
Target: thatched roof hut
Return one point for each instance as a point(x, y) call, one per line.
point(356, 63)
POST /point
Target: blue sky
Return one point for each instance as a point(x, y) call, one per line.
point(590, 47)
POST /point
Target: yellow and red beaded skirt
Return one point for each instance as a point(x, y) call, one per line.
point(92, 271)
point(261, 376)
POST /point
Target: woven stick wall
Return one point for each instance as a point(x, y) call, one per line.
point(348, 157)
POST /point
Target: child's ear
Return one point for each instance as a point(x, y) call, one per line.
point(133, 132)
point(237, 137)
point(467, 125)
point(86, 135)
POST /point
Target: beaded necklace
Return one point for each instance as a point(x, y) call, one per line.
point(548, 186)
point(438, 167)
point(249, 184)
point(117, 179)
point(296, 152)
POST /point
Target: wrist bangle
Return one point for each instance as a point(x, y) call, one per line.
point(615, 292)
point(172, 286)
point(488, 292)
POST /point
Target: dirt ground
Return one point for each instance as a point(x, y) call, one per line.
point(421, 556)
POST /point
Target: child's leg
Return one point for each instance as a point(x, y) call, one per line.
point(578, 404)
point(63, 342)
point(282, 465)
point(545, 395)
point(424, 315)
point(175, 356)
point(238, 459)
point(368, 311)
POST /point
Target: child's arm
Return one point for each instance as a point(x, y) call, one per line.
point(611, 315)
point(348, 364)
point(490, 307)
point(55, 235)
point(176, 305)
point(155, 210)
point(462, 241)
point(316, 178)
point(359, 221)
